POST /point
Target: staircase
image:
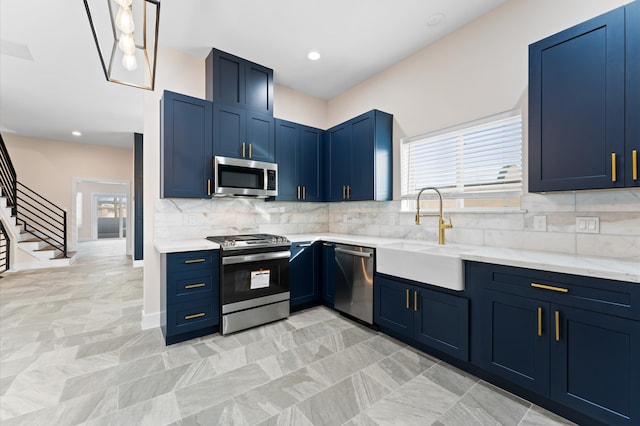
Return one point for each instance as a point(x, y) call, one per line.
point(34, 230)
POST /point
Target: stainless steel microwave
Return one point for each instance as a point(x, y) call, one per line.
point(241, 177)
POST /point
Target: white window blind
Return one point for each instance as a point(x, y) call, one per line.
point(482, 159)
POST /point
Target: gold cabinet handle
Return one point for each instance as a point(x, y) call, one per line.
point(539, 321)
point(208, 186)
point(613, 167)
point(348, 192)
point(344, 192)
point(407, 298)
point(243, 152)
point(634, 164)
point(188, 261)
point(550, 287)
point(415, 301)
point(304, 192)
point(250, 153)
point(188, 317)
point(190, 286)
point(557, 326)
point(298, 192)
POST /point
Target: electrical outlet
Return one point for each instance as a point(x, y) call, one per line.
point(588, 225)
point(540, 223)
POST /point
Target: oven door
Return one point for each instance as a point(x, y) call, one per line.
point(254, 276)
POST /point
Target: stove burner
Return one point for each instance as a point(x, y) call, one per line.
point(246, 241)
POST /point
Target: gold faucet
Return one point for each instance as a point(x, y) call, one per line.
point(441, 225)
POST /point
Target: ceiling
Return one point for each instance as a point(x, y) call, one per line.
point(51, 81)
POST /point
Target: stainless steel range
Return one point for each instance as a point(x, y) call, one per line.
point(254, 279)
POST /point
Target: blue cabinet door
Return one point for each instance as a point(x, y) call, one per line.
point(328, 273)
point(393, 306)
point(304, 272)
point(260, 137)
point(287, 159)
point(594, 365)
point(186, 146)
point(229, 124)
point(258, 88)
point(310, 156)
point(442, 322)
point(632, 107)
point(338, 153)
point(576, 106)
point(362, 179)
point(514, 339)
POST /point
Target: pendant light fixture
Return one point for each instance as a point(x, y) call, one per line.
point(126, 36)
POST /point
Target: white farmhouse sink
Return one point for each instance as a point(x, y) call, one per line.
point(422, 262)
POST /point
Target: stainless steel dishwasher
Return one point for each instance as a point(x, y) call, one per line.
point(354, 281)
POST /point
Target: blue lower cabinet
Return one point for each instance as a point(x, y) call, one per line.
point(429, 317)
point(304, 270)
point(190, 294)
point(572, 340)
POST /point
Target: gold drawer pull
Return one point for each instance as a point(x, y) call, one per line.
point(415, 301)
point(188, 317)
point(557, 326)
point(634, 164)
point(550, 287)
point(613, 167)
point(208, 186)
point(407, 298)
point(539, 321)
point(194, 285)
point(194, 261)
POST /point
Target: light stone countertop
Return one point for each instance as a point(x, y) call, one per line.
point(598, 267)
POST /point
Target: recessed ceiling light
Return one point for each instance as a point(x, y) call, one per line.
point(435, 19)
point(314, 55)
point(76, 133)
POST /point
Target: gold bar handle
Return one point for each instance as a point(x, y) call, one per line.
point(557, 326)
point(298, 192)
point(304, 192)
point(344, 192)
point(415, 301)
point(348, 192)
point(550, 287)
point(243, 152)
point(250, 150)
point(208, 186)
point(634, 164)
point(407, 298)
point(539, 321)
point(613, 167)
point(188, 317)
point(188, 261)
point(190, 286)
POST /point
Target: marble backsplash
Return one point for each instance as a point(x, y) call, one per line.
point(619, 213)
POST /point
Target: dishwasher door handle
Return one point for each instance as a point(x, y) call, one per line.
point(353, 252)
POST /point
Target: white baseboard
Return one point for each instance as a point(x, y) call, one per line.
point(138, 263)
point(153, 320)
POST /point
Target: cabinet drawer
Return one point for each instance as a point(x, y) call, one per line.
point(193, 260)
point(607, 296)
point(190, 316)
point(191, 285)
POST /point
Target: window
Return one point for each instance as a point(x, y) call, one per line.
point(474, 165)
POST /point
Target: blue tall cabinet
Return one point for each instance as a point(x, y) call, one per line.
point(584, 98)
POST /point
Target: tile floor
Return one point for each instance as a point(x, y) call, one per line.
point(72, 352)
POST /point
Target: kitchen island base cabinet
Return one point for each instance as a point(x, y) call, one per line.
point(413, 312)
point(574, 340)
point(190, 294)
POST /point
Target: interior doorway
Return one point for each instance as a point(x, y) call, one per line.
point(110, 213)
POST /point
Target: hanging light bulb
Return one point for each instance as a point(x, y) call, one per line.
point(124, 20)
point(124, 3)
point(129, 62)
point(126, 43)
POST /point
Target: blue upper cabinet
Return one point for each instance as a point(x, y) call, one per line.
point(298, 156)
point(237, 82)
point(358, 158)
point(632, 137)
point(186, 146)
point(577, 92)
point(240, 133)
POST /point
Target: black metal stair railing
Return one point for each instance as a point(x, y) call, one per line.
point(5, 245)
point(38, 216)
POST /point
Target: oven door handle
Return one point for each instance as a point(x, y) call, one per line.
point(232, 260)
